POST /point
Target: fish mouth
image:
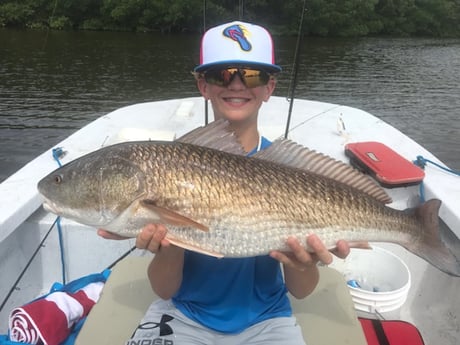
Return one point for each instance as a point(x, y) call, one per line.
point(49, 206)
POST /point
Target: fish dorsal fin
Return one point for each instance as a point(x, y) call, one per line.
point(289, 153)
point(216, 135)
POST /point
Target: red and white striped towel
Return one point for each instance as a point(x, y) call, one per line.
point(49, 320)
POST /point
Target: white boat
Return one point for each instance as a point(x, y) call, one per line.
point(433, 302)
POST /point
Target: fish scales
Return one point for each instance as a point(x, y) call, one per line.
point(250, 206)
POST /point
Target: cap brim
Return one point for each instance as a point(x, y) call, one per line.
point(267, 67)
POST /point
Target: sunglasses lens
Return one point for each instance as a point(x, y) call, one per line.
point(218, 77)
point(250, 77)
point(253, 78)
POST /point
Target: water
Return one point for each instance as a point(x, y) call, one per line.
point(53, 83)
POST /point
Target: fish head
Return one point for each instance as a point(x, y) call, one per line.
point(94, 189)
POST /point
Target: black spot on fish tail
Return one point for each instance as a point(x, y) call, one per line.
point(431, 246)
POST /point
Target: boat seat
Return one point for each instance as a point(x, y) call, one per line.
point(326, 316)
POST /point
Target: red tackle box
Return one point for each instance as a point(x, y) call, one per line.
point(388, 167)
point(390, 332)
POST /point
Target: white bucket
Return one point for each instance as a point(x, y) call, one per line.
point(378, 280)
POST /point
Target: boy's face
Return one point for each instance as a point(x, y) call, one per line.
point(236, 102)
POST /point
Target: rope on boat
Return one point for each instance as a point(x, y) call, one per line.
point(61, 248)
point(58, 152)
point(14, 287)
point(422, 162)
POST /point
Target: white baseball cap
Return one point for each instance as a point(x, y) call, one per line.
point(237, 43)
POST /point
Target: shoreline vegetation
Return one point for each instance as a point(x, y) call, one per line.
point(333, 18)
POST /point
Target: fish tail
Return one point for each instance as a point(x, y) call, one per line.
point(431, 247)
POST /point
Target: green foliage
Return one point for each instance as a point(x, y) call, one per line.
point(60, 23)
point(437, 18)
point(342, 17)
point(92, 24)
point(322, 18)
point(14, 14)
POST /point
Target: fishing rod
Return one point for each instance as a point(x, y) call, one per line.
point(206, 107)
point(295, 70)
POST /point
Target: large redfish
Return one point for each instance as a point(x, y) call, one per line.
point(217, 201)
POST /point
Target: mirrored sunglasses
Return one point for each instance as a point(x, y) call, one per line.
point(251, 77)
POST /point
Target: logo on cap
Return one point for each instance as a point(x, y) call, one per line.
point(237, 33)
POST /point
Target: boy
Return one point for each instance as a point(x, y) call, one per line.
point(205, 300)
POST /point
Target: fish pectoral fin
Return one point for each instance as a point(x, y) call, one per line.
point(180, 243)
point(167, 216)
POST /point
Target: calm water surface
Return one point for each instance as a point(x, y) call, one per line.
point(53, 83)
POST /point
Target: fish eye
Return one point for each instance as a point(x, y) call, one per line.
point(57, 179)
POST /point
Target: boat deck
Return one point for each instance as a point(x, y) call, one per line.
point(433, 303)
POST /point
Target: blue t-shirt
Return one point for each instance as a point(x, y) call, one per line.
point(231, 294)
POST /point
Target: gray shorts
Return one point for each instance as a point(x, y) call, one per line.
point(164, 324)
